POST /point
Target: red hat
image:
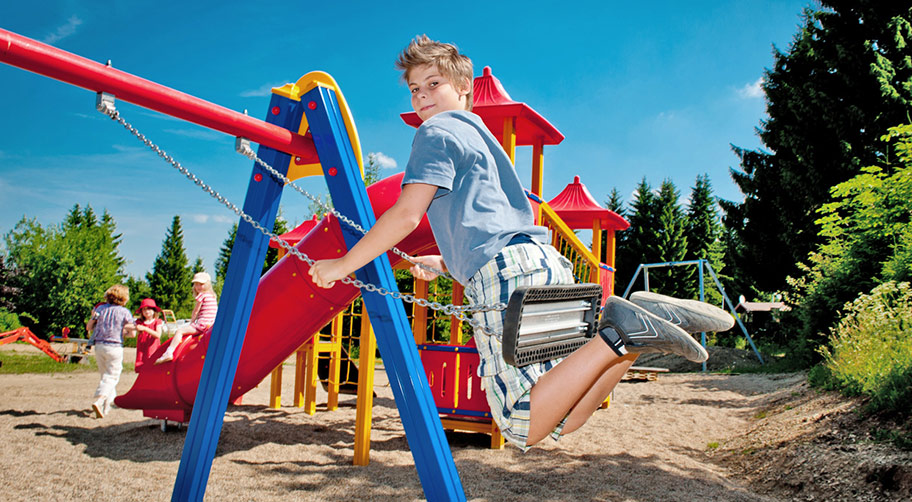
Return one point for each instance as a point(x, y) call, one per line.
point(148, 302)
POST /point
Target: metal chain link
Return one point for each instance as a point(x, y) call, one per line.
point(460, 312)
point(244, 149)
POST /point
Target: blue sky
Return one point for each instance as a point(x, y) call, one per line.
point(656, 89)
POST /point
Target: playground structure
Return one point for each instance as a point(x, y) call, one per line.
point(262, 321)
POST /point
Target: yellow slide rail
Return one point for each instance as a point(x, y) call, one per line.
point(585, 264)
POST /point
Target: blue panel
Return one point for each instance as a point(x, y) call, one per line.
point(423, 430)
point(238, 293)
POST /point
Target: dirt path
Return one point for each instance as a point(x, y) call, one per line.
point(655, 442)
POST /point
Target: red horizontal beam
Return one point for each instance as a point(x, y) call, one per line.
point(43, 59)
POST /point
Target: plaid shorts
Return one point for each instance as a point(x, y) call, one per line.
point(508, 387)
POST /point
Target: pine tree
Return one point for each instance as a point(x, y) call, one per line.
point(670, 245)
point(169, 280)
point(704, 231)
point(221, 263)
point(844, 81)
point(635, 248)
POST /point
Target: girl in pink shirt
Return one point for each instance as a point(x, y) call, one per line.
point(203, 316)
point(148, 331)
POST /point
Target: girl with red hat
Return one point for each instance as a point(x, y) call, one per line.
point(148, 331)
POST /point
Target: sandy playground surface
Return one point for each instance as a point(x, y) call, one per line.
point(659, 440)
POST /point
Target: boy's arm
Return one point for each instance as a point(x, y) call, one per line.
point(393, 226)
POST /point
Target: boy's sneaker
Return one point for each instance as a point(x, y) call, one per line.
point(690, 315)
point(644, 333)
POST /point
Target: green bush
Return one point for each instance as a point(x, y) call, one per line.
point(8, 321)
point(870, 350)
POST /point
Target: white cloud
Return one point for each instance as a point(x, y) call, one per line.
point(128, 149)
point(63, 31)
point(212, 218)
point(197, 134)
point(224, 218)
point(751, 91)
point(263, 90)
point(384, 161)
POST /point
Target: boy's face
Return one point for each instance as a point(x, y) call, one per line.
point(433, 93)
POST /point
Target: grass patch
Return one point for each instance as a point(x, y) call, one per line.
point(713, 445)
point(19, 364)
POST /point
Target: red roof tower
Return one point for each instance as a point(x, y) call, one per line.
point(579, 210)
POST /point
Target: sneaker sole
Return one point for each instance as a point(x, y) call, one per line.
point(646, 333)
point(98, 411)
point(691, 315)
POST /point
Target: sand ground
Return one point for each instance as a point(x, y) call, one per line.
point(653, 443)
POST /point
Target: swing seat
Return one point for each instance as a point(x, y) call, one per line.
point(547, 322)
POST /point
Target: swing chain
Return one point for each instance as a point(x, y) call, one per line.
point(242, 145)
point(105, 104)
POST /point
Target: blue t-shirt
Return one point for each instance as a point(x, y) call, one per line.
point(109, 323)
point(480, 203)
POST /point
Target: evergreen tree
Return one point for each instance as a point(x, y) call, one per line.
point(670, 245)
point(845, 79)
point(139, 289)
point(221, 263)
point(272, 254)
point(614, 203)
point(703, 230)
point(169, 280)
point(636, 247)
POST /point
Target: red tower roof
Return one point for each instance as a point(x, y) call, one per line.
point(576, 206)
point(294, 236)
point(492, 103)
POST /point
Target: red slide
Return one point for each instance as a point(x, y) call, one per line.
point(287, 311)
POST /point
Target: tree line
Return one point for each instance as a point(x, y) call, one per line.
point(825, 215)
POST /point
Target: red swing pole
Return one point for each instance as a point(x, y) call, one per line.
point(43, 59)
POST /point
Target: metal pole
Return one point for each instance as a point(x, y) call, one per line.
point(702, 298)
point(732, 308)
point(49, 61)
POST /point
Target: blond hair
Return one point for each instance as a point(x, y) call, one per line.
point(118, 294)
point(456, 67)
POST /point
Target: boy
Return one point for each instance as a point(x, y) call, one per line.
point(483, 224)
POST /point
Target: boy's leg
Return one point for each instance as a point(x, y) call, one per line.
point(593, 399)
point(576, 379)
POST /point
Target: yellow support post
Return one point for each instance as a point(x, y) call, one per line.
point(538, 170)
point(300, 371)
point(275, 388)
point(335, 356)
point(419, 313)
point(455, 323)
point(366, 360)
point(509, 138)
point(310, 378)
